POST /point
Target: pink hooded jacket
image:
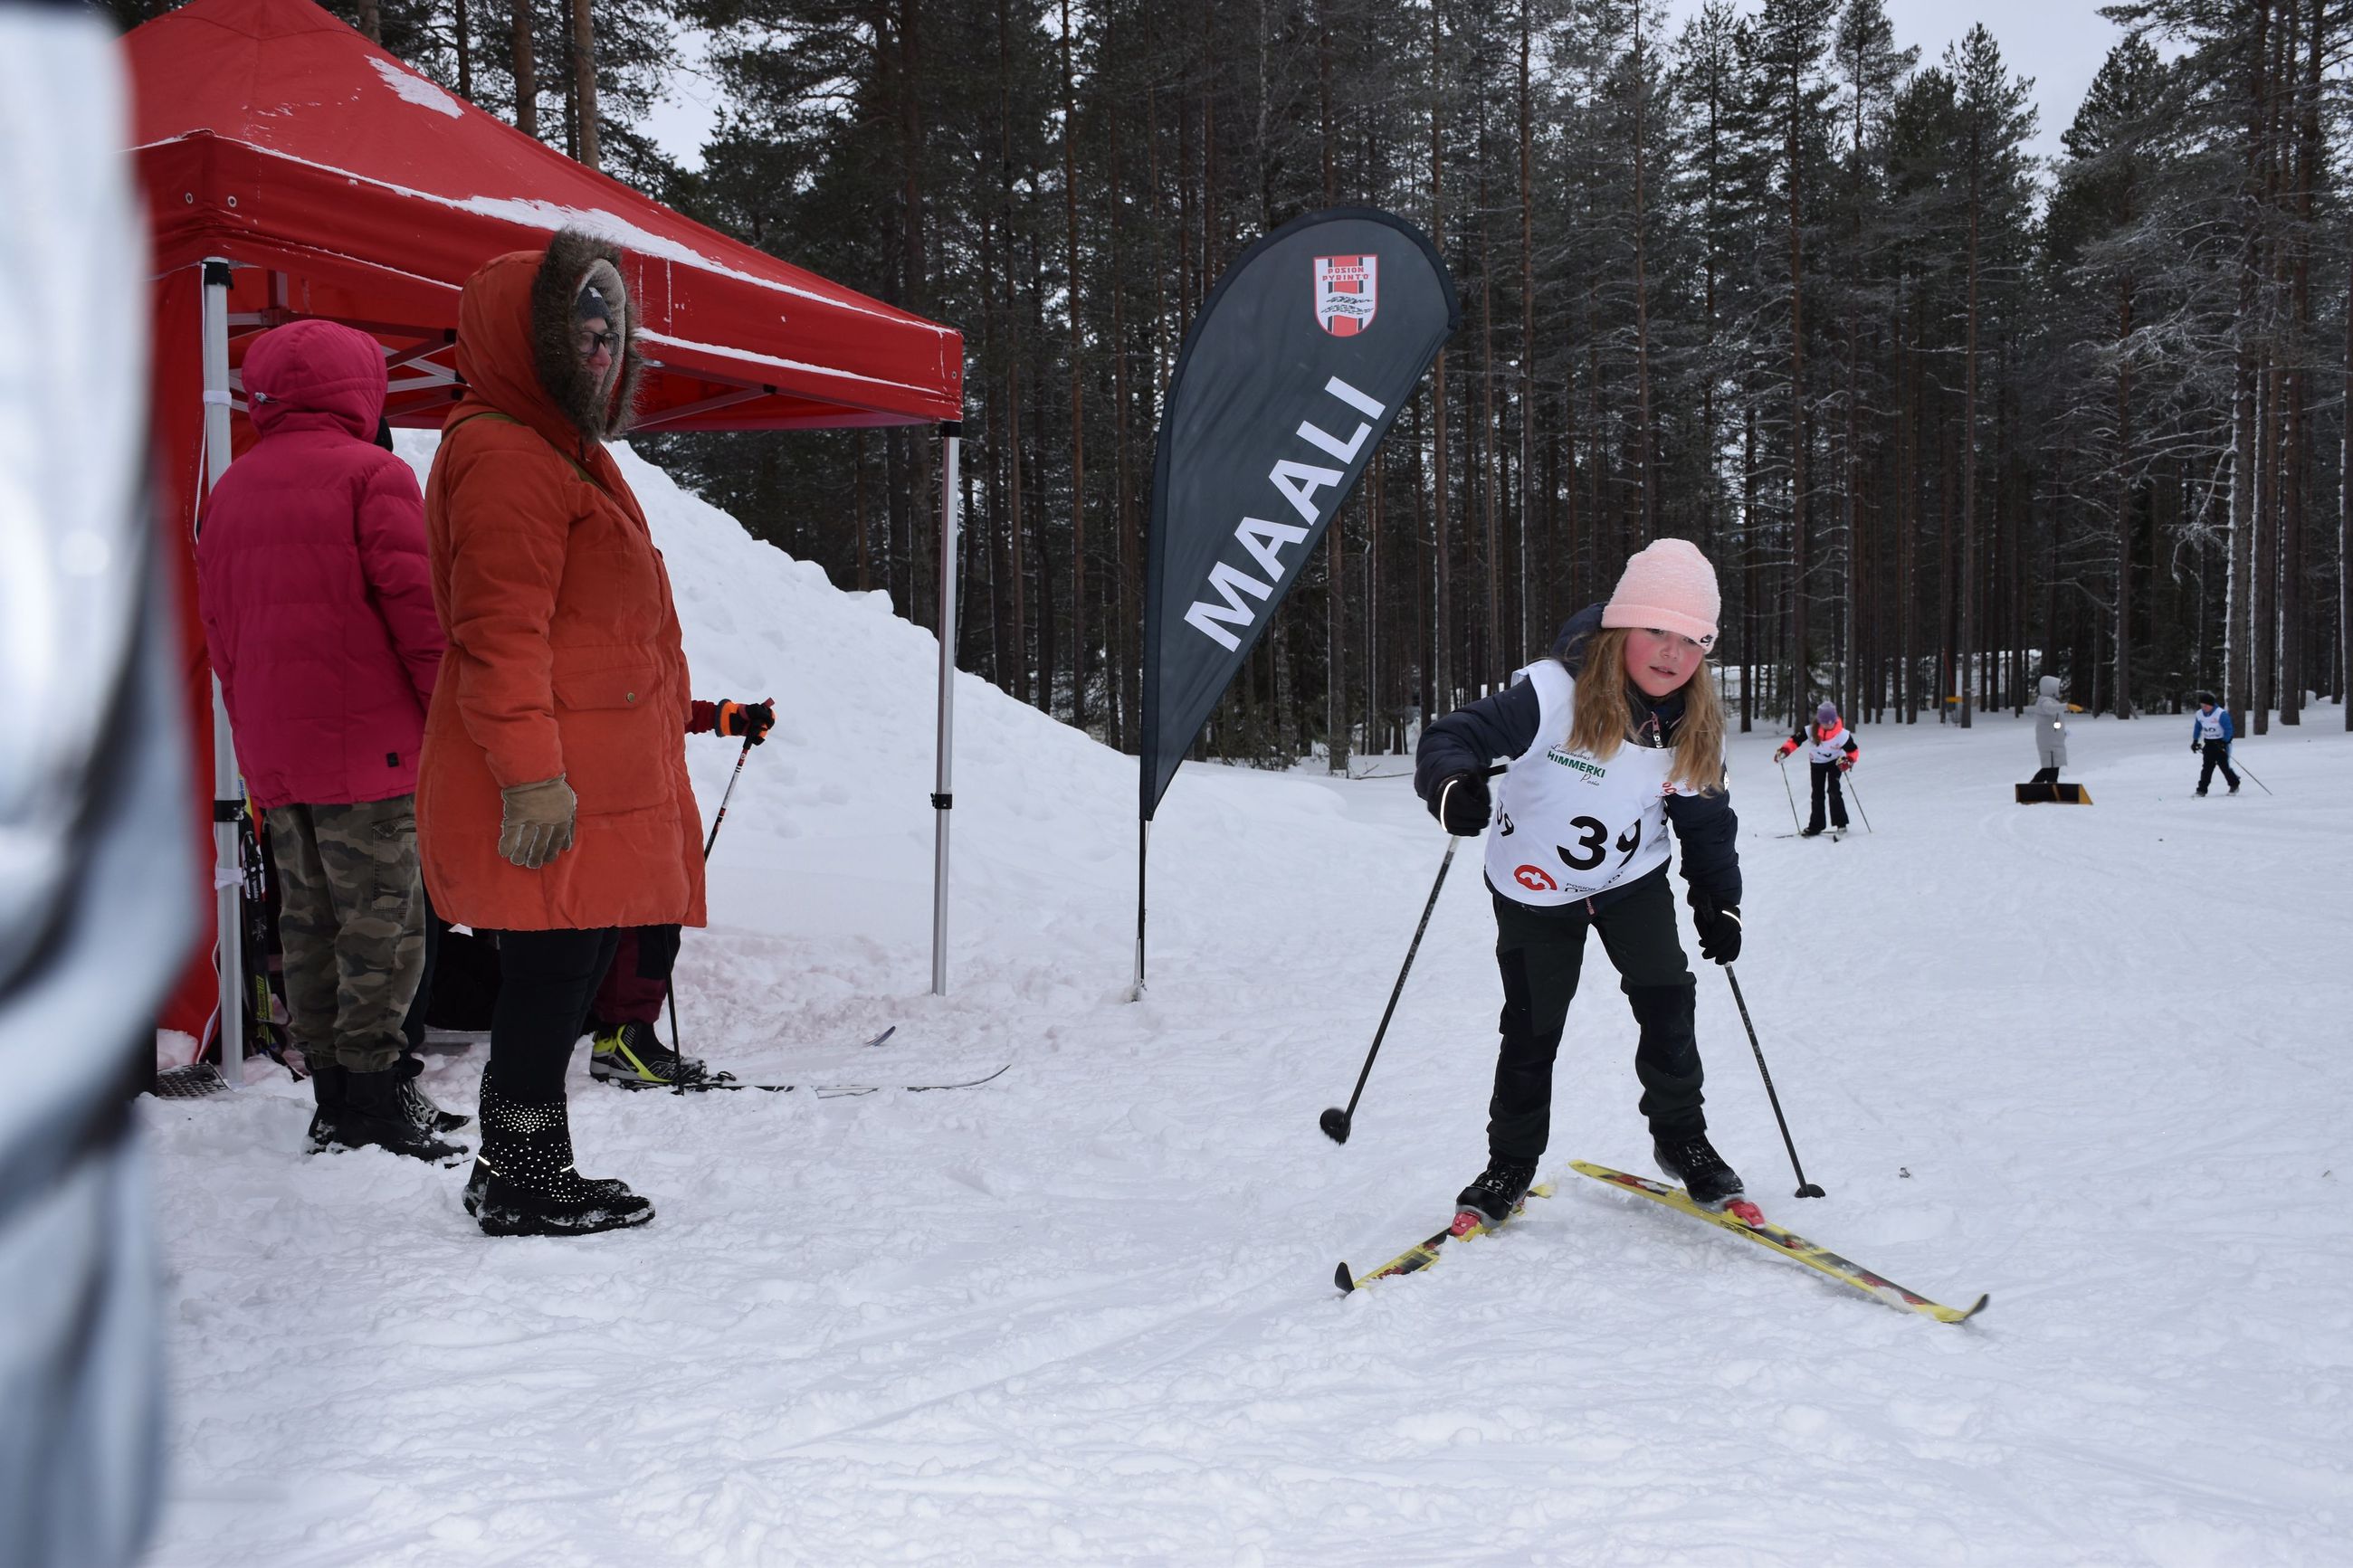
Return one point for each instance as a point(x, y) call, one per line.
point(318, 603)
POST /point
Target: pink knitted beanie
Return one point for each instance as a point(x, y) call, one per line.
point(1668, 584)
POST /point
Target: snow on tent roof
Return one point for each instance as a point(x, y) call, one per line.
point(272, 134)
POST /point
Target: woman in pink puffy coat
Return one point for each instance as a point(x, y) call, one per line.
point(319, 618)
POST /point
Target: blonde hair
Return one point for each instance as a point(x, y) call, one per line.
point(1598, 726)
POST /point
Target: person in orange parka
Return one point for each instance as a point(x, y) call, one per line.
point(552, 805)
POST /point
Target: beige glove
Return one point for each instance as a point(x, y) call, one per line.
point(537, 824)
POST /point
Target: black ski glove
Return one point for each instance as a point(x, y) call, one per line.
point(1462, 805)
point(2196, 745)
point(752, 720)
point(1719, 927)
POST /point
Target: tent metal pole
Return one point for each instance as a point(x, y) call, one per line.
point(943, 786)
point(228, 792)
point(1143, 863)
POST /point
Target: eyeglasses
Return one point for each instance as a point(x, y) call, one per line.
point(589, 342)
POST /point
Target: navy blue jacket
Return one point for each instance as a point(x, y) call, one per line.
point(1505, 725)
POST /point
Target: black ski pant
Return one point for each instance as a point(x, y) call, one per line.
point(1541, 953)
point(2217, 756)
point(546, 979)
point(1826, 777)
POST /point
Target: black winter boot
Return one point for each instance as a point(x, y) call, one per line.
point(1693, 1160)
point(328, 1088)
point(1497, 1194)
point(373, 1115)
point(523, 1182)
point(420, 1104)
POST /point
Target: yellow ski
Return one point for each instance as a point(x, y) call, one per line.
point(1786, 1243)
point(1422, 1254)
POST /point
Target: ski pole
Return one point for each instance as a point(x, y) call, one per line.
point(1336, 1123)
point(670, 987)
point(1783, 763)
point(726, 796)
point(2250, 773)
point(1858, 805)
point(1806, 1189)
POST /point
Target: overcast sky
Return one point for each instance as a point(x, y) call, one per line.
point(2058, 43)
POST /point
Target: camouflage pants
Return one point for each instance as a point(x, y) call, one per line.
point(352, 922)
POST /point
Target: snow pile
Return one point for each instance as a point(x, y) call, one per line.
point(2089, 1061)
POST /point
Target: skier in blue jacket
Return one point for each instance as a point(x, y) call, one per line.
point(2209, 732)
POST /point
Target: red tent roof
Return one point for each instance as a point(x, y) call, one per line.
point(345, 184)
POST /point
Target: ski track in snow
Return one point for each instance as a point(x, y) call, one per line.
point(1084, 1314)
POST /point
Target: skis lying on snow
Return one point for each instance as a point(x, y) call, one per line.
point(1743, 1218)
point(1422, 1254)
point(838, 1090)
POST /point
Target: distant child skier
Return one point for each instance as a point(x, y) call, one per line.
point(2209, 732)
point(1615, 734)
point(1835, 752)
point(2050, 716)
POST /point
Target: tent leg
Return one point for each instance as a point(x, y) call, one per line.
point(228, 798)
point(1142, 862)
point(943, 791)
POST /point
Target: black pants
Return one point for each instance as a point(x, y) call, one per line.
point(2217, 755)
point(545, 981)
point(413, 1027)
point(1541, 953)
point(2048, 774)
point(1826, 777)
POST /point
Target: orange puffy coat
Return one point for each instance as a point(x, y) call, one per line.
point(564, 655)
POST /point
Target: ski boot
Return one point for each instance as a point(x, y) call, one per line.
point(1693, 1160)
point(419, 1105)
point(374, 1116)
point(633, 1056)
point(523, 1182)
point(1495, 1196)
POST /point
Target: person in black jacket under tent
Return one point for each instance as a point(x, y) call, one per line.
point(1616, 735)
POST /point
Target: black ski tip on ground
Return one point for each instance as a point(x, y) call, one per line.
point(1347, 1281)
point(1336, 1124)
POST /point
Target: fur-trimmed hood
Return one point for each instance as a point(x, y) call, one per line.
point(515, 342)
point(599, 412)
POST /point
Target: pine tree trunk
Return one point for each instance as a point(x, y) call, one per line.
point(583, 83)
point(1078, 391)
point(1441, 646)
point(526, 73)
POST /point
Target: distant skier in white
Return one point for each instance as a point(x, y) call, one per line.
point(2050, 716)
point(1832, 750)
point(2209, 734)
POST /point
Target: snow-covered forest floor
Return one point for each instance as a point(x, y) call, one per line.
point(2092, 1061)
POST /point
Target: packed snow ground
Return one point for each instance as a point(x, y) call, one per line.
point(2091, 1060)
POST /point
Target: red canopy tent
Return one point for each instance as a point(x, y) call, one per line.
point(292, 170)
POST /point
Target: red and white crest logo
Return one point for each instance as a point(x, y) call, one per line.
point(1348, 291)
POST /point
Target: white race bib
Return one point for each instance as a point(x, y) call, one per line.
point(1568, 826)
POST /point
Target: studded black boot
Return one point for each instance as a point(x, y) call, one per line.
point(1693, 1160)
point(523, 1182)
point(1497, 1194)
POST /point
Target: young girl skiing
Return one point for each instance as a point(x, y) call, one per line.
point(1613, 736)
point(1834, 753)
